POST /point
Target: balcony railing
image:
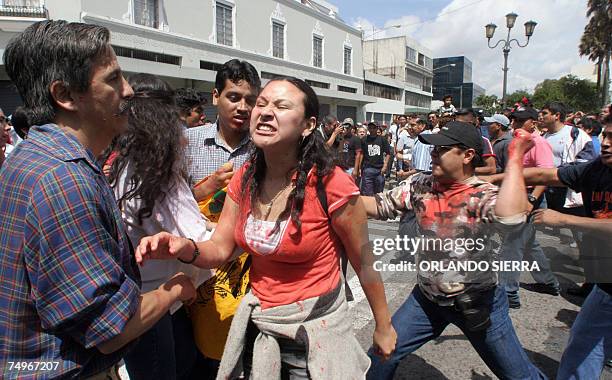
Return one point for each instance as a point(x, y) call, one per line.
point(23, 11)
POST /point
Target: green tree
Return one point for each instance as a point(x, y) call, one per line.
point(516, 97)
point(596, 42)
point(576, 94)
point(489, 103)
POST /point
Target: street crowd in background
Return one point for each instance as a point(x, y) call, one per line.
point(134, 229)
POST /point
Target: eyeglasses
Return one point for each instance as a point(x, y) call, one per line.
point(441, 149)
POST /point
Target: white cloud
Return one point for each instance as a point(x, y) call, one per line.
point(551, 53)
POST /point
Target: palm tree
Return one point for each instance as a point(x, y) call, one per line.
point(596, 41)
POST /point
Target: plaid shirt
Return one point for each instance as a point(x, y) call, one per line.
point(69, 281)
point(206, 152)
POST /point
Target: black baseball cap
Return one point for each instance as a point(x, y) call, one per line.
point(456, 133)
point(524, 113)
point(465, 111)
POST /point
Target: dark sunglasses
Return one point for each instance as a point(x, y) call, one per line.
point(441, 149)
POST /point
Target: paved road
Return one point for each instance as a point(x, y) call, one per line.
point(542, 323)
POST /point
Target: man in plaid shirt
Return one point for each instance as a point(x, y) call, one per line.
point(70, 297)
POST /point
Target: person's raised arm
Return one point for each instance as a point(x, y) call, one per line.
point(350, 223)
point(212, 253)
point(512, 196)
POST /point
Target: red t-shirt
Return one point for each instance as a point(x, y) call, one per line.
point(303, 265)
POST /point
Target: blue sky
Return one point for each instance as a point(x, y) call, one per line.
point(379, 11)
point(456, 27)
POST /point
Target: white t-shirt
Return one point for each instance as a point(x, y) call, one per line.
point(564, 147)
point(178, 214)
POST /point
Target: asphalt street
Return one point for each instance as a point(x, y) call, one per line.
point(542, 323)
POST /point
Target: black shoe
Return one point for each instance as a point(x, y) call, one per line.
point(553, 290)
point(582, 291)
point(609, 363)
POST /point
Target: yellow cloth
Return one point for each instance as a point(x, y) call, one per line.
point(218, 298)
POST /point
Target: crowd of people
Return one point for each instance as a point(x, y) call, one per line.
point(134, 229)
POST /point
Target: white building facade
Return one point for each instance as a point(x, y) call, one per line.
point(186, 41)
point(404, 64)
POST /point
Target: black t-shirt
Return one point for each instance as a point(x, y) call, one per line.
point(347, 150)
point(594, 181)
point(374, 149)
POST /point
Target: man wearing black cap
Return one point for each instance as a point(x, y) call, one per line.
point(467, 115)
point(455, 212)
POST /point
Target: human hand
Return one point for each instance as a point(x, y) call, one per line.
point(214, 182)
point(180, 287)
point(549, 217)
point(521, 143)
point(384, 340)
point(163, 246)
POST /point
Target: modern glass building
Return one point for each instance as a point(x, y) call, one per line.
point(453, 76)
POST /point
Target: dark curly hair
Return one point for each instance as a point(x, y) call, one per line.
point(152, 144)
point(312, 152)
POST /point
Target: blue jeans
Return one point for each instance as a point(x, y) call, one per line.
point(420, 320)
point(166, 351)
point(517, 244)
point(372, 181)
point(590, 341)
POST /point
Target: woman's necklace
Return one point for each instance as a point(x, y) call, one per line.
point(271, 203)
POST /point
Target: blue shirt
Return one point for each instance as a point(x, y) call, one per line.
point(206, 152)
point(69, 280)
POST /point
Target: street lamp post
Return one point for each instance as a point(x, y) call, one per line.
point(490, 30)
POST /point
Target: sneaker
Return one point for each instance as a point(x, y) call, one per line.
point(553, 290)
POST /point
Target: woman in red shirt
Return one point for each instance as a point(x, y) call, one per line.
point(275, 213)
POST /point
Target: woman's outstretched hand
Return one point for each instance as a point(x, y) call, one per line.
point(163, 246)
point(385, 339)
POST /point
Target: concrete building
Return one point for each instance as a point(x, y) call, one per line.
point(453, 76)
point(401, 63)
point(186, 41)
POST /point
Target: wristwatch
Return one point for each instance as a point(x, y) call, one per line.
point(532, 199)
point(196, 253)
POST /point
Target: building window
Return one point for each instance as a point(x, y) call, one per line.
point(314, 83)
point(267, 75)
point(410, 54)
point(146, 13)
point(145, 55)
point(224, 25)
point(278, 40)
point(382, 91)
point(347, 89)
point(317, 51)
point(348, 52)
point(23, 8)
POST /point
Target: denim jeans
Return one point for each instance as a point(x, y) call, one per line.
point(372, 181)
point(590, 341)
point(420, 320)
point(166, 351)
point(519, 243)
